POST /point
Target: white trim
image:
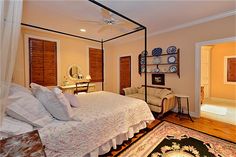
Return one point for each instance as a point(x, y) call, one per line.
point(26, 51)
point(118, 69)
point(225, 70)
point(198, 67)
point(192, 114)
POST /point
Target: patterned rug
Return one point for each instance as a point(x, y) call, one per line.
point(171, 140)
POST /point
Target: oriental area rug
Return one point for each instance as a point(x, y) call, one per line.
point(172, 140)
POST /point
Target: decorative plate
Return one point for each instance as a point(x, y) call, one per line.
point(157, 51)
point(143, 69)
point(173, 68)
point(143, 53)
point(142, 61)
point(171, 50)
point(171, 59)
point(156, 60)
point(156, 70)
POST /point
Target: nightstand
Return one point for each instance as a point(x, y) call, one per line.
point(180, 107)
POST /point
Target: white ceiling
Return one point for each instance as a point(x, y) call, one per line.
point(160, 15)
point(157, 16)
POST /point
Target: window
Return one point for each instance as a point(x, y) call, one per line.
point(230, 70)
point(96, 65)
point(43, 62)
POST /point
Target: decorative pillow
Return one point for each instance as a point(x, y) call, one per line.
point(164, 92)
point(61, 97)
point(11, 126)
point(17, 88)
point(72, 99)
point(51, 102)
point(141, 90)
point(157, 92)
point(25, 107)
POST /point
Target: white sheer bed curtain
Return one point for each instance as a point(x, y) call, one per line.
point(10, 14)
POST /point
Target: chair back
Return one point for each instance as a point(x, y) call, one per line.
point(81, 87)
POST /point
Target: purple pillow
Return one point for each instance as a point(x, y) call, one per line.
point(72, 99)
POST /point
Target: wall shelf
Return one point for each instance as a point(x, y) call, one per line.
point(161, 64)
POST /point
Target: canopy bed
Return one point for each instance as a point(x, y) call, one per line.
point(96, 121)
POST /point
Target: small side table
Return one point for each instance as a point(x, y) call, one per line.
point(180, 109)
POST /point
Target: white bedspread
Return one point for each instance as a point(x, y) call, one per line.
point(101, 117)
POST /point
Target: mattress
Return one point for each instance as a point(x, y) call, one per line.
point(102, 120)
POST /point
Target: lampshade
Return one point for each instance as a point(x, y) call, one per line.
point(88, 77)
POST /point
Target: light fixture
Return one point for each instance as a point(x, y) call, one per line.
point(88, 77)
point(82, 30)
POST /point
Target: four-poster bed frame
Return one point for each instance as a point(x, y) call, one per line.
point(140, 28)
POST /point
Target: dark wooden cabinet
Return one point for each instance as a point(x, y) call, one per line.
point(43, 62)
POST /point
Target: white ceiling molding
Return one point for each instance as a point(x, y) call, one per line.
point(196, 22)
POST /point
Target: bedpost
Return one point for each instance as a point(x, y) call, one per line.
point(102, 65)
point(145, 50)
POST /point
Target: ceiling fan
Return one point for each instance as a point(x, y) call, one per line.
point(109, 22)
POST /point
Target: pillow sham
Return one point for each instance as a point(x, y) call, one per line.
point(18, 88)
point(61, 97)
point(51, 102)
point(11, 126)
point(27, 108)
point(72, 99)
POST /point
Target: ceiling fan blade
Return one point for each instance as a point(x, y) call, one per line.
point(104, 28)
point(105, 14)
point(90, 21)
point(120, 28)
point(126, 24)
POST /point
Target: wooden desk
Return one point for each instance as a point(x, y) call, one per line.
point(71, 88)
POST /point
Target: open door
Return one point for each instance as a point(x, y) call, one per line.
point(125, 72)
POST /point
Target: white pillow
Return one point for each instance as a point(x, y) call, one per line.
point(61, 97)
point(27, 108)
point(51, 102)
point(18, 88)
point(11, 126)
point(72, 99)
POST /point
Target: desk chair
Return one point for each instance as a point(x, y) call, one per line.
point(81, 87)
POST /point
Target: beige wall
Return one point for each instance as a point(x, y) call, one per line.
point(218, 88)
point(72, 51)
point(185, 39)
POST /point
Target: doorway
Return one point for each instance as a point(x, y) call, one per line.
point(217, 99)
point(125, 72)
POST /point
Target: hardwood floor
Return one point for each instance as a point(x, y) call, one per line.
point(215, 128)
point(211, 127)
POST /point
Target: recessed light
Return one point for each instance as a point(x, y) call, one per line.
point(82, 30)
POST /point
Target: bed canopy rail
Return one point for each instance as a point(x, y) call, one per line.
point(102, 41)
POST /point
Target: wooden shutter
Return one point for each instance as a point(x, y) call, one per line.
point(231, 70)
point(96, 65)
point(43, 62)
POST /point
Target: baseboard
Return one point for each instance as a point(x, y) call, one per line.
point(192, 114)
point(222, 99)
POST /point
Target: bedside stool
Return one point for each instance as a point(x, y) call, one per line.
point(180, 109)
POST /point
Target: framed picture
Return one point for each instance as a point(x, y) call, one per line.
point(158, 79)
point(230, 70)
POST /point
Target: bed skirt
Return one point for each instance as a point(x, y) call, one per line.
point(112, 143)
point(118, 140)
